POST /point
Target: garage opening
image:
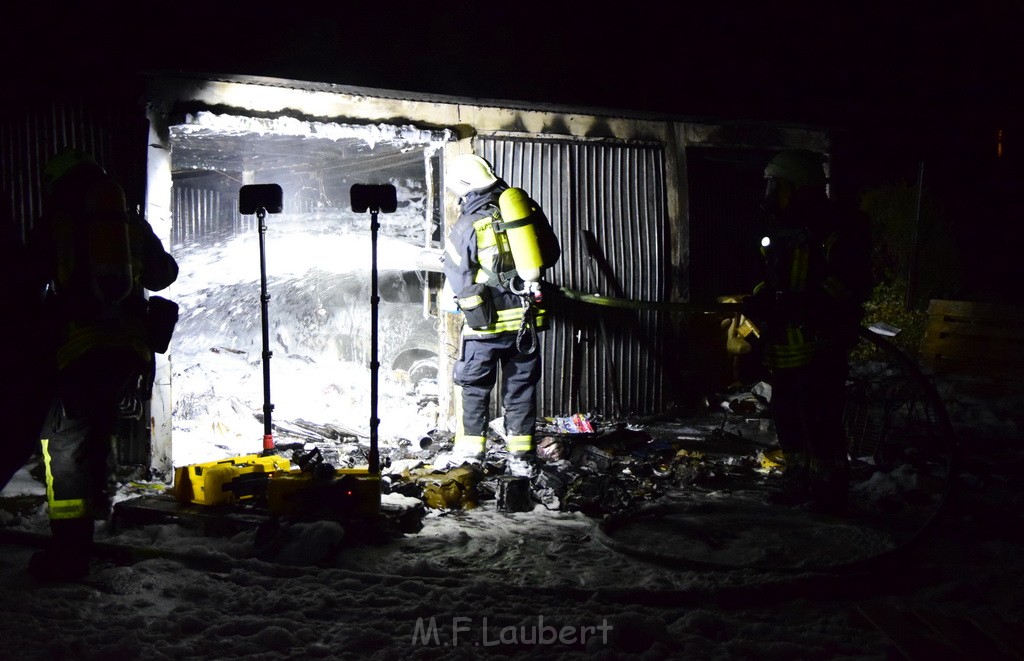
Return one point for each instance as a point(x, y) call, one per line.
point(318, 261)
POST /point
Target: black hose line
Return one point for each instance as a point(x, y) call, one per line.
point(608, 526)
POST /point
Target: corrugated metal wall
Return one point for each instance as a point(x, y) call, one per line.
point(607, 203)
point(115, 134)
point(199, 212)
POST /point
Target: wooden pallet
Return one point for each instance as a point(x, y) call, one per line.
point(983, 339)
point(164, 508)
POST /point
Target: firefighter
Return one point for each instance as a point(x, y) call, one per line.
point(501, 309)
point(809, 308)
point(96, 261)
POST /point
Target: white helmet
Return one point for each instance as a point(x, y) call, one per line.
point(467, 173)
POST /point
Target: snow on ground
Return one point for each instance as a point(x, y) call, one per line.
point(481, 582)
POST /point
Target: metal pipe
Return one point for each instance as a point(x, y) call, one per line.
point(912, 265)
point(374, 457)
point(268, 436)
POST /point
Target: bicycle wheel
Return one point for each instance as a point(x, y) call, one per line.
point(901, 445)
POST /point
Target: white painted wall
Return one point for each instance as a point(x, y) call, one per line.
point(158, 213)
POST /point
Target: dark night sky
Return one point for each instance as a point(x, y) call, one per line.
point(884, 62)
point(906, 82)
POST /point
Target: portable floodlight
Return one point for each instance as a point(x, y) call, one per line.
point(376, 198)
point(261, 199)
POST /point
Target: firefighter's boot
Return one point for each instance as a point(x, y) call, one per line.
point(523, 463)
point(795, 488)
point(829, 490)
point(66, 557)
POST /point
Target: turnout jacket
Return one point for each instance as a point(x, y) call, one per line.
point(816, 280)
point(474, 255)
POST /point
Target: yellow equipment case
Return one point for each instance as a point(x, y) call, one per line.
point(227, 481)
point(350, 492)
point(280, 486)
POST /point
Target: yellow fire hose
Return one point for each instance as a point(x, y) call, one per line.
point(659, 306)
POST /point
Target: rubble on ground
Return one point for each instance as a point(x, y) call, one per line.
point(599, 467)
point(588, 464)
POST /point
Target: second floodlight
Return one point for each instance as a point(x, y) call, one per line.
point(374, 197)
point(253, 197)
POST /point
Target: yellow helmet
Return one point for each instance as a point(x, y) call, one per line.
point(467, 173)
point(63, 163)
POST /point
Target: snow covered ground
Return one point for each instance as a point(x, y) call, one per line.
point(546, 582)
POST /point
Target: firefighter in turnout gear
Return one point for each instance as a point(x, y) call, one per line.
point(95, 260)
point(809, 308)
point(493, 261)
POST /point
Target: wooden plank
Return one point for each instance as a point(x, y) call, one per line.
point(975, 309)
point(970, 367)
point(942, 327)
point(967, 337)
point(961, 353)
point(969, 348)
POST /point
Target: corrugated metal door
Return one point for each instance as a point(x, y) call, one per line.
point(607, 203)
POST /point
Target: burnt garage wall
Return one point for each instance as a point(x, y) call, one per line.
point(198, 212)
point(606, 201)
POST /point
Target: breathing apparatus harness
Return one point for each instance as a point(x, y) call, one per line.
point(529, 299)
point(510, 280)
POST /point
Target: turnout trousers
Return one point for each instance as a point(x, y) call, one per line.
point(807, 406)
point(476, 372)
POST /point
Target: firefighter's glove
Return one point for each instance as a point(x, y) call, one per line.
point(735, 343)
